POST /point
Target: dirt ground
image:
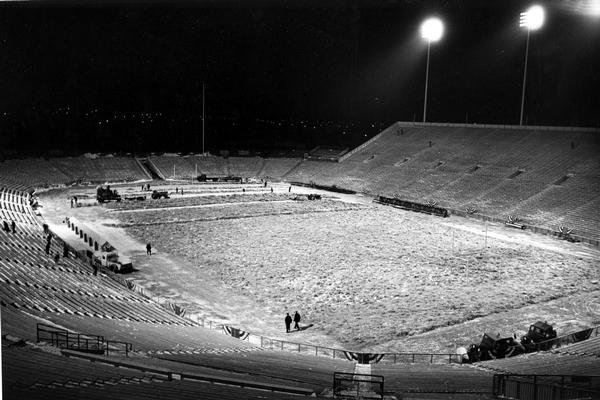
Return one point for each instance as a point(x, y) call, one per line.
point(368, 277)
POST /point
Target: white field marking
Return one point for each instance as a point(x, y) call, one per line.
point(199, 206)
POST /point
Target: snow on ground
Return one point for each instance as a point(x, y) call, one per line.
point(368, 277)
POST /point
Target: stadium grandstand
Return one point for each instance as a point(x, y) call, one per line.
point(69, 331)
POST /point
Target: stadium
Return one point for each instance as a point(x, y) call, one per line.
point(426, 260)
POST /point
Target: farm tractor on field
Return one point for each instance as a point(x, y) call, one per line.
point(112, 261)
point(537, 338)
point(105, 194)
point(158, 195)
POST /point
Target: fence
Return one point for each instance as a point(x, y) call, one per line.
point(88, 343)
point(546, 387)
point(329, 352)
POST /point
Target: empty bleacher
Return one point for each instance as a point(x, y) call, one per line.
point(99, 169)
point(174, 167)
point(36, 172)
point(39, 173)
point(277, 168)
point(545, 363)
point(211, 166)
point(499, 171)
point(245, 167)
point(58, 376)
point(15, 206)
point(434, 378)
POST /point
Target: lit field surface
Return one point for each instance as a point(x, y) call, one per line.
point(374, 277)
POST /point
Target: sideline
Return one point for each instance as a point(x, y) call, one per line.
point(524, 238)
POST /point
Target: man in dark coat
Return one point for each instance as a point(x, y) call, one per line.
point(148, 248)
point(288, 322)
point(296, 320)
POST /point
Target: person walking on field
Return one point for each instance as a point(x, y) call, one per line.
point(148, 249)
point(296, 320)
point(288, 322)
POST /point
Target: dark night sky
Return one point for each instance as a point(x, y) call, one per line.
point(354, 61)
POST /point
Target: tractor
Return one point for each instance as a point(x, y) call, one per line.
point(105, 194)
point(112, 261)
point(157, 195)
point(492, 347)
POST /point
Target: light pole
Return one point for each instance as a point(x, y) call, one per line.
point(432, 30)
point(532, 20)
point(203, 117)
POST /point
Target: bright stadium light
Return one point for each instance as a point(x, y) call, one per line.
point(594, 8)
point(431, 30)
point(532, 20)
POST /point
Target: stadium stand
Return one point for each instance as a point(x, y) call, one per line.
point(497, 170)
point(545, 364)
point(246, 167)
point(532, 173)
point(66, 294)
point(212, 166)
point(42, 173)
point(277, 168)
point(174, 167)
point(15, 206)
point(328, 153)
point(74, 377)
point(36, 172)
point(99, 169)
point(434, 378)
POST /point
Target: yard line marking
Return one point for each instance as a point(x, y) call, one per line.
point(200, 206)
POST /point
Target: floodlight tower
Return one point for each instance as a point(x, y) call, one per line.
point(432, 30)
point(532, 20)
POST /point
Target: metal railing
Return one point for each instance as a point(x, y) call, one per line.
point(568, 339)
point(571, 338)
point(329, 352)
point(65, 339)
point(546, 387)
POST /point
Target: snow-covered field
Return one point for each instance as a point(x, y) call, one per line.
point(367, 276)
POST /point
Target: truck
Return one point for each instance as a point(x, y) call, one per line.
point(538, 338)
point(492, 347)
point(105, 194)
point(538, 333)
point(112, 261)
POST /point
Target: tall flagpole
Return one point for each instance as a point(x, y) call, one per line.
point(203, 117)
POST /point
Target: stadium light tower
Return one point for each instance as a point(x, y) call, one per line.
point(532, 20)
point(432, 30)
